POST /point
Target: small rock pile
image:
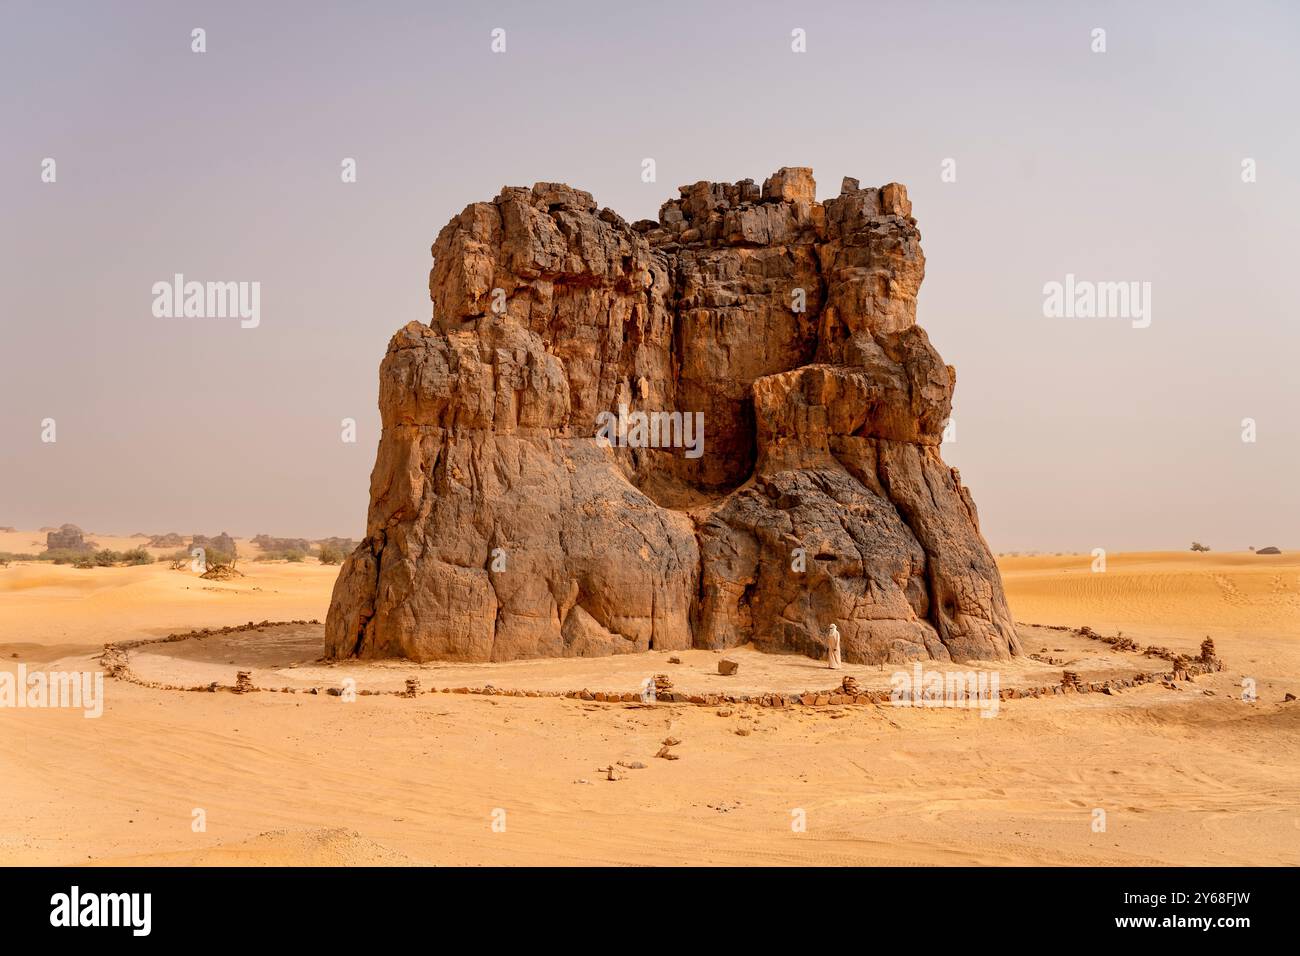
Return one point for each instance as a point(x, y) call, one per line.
point(850, 686)
point(1071, 679)
point(1207, 651)
point(412, 687)
point(243, 682)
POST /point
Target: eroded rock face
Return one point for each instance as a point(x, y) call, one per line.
point(68, 538)
point(503, 523)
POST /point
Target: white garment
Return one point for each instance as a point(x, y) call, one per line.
point(833, 647)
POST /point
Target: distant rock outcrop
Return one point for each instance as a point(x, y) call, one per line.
point(68, 538)
point(1269, 550)
point(169, 540)
point(719, 427)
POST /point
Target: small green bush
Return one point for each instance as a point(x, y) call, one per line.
point(286, 555)
point(328, 554)
point(213, 558)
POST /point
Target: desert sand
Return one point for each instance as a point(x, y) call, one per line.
point(1184, 777)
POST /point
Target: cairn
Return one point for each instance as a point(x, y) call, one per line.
point(850, 686)
point(243, 682)
point(1207, 652)
point(1071, 679)
point(663, 685)
point(412, 687)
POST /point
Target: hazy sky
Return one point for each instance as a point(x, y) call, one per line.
point(1072, 433)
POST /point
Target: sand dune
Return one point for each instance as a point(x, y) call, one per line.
point(1183, 777)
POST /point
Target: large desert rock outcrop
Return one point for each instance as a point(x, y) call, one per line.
point(68, 538)
point(804, 487)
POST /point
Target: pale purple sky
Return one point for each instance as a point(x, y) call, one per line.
point(1073, 434)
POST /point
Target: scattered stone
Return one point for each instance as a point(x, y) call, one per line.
point(727, 667)
point(674, 660)
point(632, 764)
point(1288, 698)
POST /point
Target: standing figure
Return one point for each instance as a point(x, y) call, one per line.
point(833, 647)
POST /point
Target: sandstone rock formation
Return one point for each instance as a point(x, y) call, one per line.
point(521, 506)
point(68, 538)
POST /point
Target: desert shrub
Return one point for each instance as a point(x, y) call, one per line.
point(63, 556)
point(293, 555)
point(182, 558)
point(328, 554)
point(107, 558)
point(213, 558)
point(1197, 546)
point(83, 561)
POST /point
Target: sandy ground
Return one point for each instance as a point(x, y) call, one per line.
point(1182, 777)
